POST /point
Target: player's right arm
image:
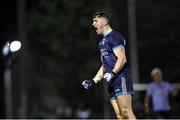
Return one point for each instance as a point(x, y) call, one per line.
point(98, 77)
point(146, 104)
point(149, 92)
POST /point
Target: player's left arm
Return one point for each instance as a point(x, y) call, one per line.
point(121, 58)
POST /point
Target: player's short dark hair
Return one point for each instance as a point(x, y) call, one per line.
point(103, 14)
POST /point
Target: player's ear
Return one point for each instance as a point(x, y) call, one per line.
point(105, 22)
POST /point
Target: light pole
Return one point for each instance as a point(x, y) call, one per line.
point(133, 40)
point(7, 50)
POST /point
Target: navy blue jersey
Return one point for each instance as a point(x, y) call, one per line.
point(122, 82)
point(109, 43)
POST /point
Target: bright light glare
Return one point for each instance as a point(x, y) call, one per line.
point(15, 46)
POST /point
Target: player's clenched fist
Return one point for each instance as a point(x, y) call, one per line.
point(87, 84)
point(108, 76)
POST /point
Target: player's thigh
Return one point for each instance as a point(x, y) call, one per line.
point(116, 108)
point(125, 101)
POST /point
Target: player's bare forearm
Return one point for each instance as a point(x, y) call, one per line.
point(98, 77)
point(119, 64)
point(146, 100)
point(146, 104)
point(121, 60)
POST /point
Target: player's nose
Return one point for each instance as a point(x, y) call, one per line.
point(93, 24)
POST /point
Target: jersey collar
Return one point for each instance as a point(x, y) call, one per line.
point(107, 32)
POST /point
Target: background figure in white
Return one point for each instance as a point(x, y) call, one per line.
point(82, 112)
point(159, 92)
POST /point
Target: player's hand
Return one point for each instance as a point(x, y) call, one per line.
point(108, 76)
point(87, 84)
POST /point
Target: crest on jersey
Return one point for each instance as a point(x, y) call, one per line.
point(102, 42)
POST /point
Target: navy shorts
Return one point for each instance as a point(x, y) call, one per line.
point(120, 85)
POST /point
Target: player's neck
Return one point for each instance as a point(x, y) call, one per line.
point(107, 30)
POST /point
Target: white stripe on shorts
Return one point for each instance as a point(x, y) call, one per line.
point(123, 85)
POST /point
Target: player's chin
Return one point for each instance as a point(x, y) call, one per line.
point(98, 33)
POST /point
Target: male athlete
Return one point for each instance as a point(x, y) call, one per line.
point(114, 69)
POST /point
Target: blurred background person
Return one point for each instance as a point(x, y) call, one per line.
point(159, 90)
point(83, 111)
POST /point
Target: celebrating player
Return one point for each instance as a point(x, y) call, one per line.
point(114, 68)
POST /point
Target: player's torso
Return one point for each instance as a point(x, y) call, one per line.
point(160, 90)
point(160, 97)
point(108, 58)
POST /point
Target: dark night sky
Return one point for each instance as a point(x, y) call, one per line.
point(8, 19)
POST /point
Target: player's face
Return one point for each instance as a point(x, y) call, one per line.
point(98, 24)
point(157, 77)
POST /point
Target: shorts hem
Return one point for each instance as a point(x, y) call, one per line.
point(120, 94)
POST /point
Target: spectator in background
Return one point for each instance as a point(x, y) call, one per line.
point(83, 111)
point(159, 91)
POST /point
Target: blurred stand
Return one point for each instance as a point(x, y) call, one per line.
point(8, 89)
point(2, 96)
point(7, 51)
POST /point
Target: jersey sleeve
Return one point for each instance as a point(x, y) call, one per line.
point(170, 87)
point(117, 41)
point(149, 90)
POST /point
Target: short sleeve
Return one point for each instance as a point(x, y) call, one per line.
point(149, 91)
point(117, 41)
point(169, 87)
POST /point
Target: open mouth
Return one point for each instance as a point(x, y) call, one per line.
point(95, 28)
